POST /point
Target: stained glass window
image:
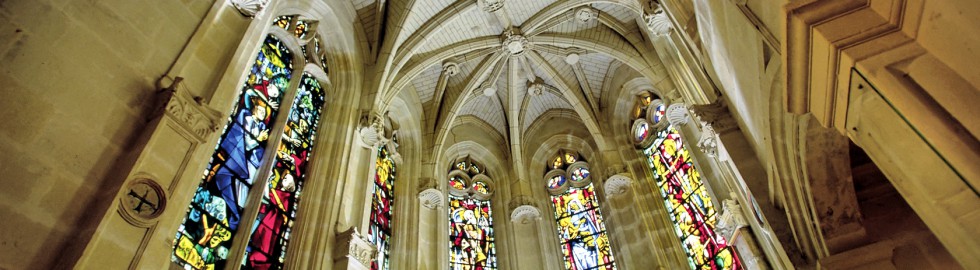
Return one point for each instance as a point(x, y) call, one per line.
point(688, 203)
point(382, 200)
point(204, 237)
point(581, 231)
point(471, 237)
point(271, 232)
point(471, 234)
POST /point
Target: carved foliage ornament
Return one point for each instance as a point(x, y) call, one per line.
point(358, 247)
point(731, 219)
point(250, 8)
point(187, 112)
point(515, 44)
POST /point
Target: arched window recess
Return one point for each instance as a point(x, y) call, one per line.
point(581, 229)
point(268, 142)
point(471, 236)
point(679, 183)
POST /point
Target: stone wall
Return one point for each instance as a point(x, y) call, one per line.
point(79, 78)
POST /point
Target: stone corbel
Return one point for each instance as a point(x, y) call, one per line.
point(677, 114)
point(717, 115)
point(371, 130)
point(355, 248)
point(186, 111)
point(617, 185)
point(431, 198)
point(657, 21)
point(250, 8)
point(524, 214)
point(731, 220)
point(708, 143)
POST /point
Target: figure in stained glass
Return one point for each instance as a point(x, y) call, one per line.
point(267, 246)
point(204, 238)
point(688, 203)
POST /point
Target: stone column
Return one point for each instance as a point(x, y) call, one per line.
point(526, 217)
point(430, 200)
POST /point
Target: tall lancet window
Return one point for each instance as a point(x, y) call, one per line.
point(203, 240)
point(581, 231)
point(681, 187)
point(382, 199)
point(471, 242)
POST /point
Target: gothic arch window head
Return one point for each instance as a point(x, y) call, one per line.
point(685, 196)
point(581, 231)
point(216, 212)
point(471, 238)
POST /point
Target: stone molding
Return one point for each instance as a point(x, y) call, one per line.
point(431, 198)
point(731, 220)
point(352, 245)
point(187, 111)
point(524, 214)
point(677, 114)
point(617, 185)
point(250, 8)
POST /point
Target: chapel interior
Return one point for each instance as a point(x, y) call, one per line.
point(490, 134)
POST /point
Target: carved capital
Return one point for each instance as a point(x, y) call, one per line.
point(617, 185)
point(524, 214)
point(352, 245)
point(677, 114)
point(370, 129)
point(186, 111)
point(657, 22)
point(250, 8)
point(431, 198)
point(731, 219)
